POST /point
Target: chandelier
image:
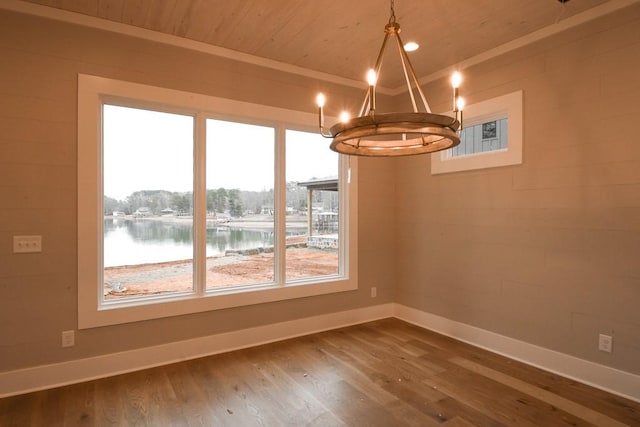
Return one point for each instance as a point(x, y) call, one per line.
point(394, 134)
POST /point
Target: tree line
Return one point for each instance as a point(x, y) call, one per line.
point(233, 202)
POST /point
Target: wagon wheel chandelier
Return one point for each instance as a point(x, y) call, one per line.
point(394, 134)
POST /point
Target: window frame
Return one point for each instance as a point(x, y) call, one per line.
point(93, 92)
point(509, 106)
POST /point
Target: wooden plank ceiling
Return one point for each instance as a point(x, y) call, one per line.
point(339, 37)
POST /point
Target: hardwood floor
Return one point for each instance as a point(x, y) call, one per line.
point(386, 373)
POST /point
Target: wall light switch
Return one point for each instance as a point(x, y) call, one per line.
point(68, 338)
point(605, 343)
point(27, 244)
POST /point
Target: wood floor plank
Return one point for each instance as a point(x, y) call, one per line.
point(385, 367)
point(188, 397)
point(339, 362)
point(109, 408)
point(78, 404)
point(622, 409)
point(222, 406)
point(404, 387)
point(560, 402)
point(226, 393)
point(501, 402)
point(346, 402)
point(382, 373)
point(454, 409)
point(299, 405)
point(458, 422)
point(383, 379)
point(308, 408)
point(602, 401)
point(19, 410)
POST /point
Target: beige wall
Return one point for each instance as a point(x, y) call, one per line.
point(547, 252)
point(38, 89)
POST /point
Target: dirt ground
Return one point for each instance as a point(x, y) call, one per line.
point(229, 270)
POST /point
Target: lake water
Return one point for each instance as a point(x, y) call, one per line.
point(141, 241)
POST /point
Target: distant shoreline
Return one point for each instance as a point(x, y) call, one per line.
point(255, 221)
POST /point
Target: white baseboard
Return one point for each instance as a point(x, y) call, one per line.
point(612, 380)
point(74, 371)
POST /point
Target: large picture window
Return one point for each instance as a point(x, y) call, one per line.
point(186, 205)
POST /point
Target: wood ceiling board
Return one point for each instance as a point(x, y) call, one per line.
point(336, 37)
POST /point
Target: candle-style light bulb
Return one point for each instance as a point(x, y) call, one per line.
point(372, 78)
point(320, 100)
point(456, 79)
point(344, 117)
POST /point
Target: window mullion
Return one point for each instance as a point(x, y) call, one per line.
point(344, 173)
point(280, 194)
point(199, 206)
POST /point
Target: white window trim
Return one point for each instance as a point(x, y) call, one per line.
point(92, 93)
point(509, 106)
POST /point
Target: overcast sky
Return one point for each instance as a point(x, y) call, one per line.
point(146, 150)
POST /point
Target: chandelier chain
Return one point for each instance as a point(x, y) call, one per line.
point(392, 18)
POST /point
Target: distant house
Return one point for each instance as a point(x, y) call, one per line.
point(142, 212)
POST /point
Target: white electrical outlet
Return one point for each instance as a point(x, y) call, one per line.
point(68, 338)
point(605, 343)
point(27, 244)
point(374, 292)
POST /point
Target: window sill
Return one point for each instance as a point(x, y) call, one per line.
point(139, 310)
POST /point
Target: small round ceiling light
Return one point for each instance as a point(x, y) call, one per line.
point(411, 46)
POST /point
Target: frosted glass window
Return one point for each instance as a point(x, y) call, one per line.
point(482, 137)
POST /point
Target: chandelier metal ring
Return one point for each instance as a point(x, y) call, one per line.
point(397, 134)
